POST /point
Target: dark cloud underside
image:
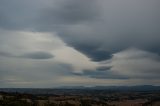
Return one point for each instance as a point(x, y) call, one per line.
point(38, 55)
point(98, 40)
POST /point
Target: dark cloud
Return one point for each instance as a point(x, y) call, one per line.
point(45, 15)
point(102, 72)
point(102, 28)
point(20, 15)
point(5, 54)
point(106, 26)
point(37, 55)
point(32, 55)
point(94, 52)
point(11, 14)
point(107, 74)
point(104, 68)
point(70, 12)
point(120, 25)
point(99, 29)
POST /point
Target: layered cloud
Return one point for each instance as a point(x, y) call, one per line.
point(136, 63)
point(101, 40)
point(31, 58)
point(112, 26)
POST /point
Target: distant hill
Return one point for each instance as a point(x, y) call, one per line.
point(129, 88)
point(81, 89)
point(119, 88)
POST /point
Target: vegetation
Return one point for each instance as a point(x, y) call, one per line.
point(84, 99)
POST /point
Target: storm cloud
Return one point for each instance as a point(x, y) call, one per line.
point(101, 28)
point(104, 41)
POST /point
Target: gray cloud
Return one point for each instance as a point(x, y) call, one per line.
point(105, 74)
point(5, 54)
point(37, 55)
point(136, 63)
point(93, 52)
point(70, 12)
point(106, 26)
point(114, 26)
point(33, 55)
point(100, 30)
point(104, 68)
point(128, 64)
point(21, 73)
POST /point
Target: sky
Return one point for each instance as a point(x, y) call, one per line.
point(53, 43)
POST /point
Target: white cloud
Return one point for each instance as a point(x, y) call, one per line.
point(78, 60)
point(136, 63)
point(14, 45)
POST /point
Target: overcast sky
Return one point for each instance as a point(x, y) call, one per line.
point(52, 43)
